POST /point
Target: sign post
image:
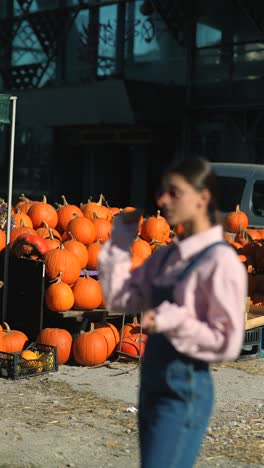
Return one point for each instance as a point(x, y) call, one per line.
point(5, 100)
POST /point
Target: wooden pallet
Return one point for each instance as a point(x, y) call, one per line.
point(254, 315)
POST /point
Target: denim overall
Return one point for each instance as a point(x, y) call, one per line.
point(176, 395)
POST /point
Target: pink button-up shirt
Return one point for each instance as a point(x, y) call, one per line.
point(207, 318)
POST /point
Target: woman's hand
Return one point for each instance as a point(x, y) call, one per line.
point(148, 321)
point(132, 216)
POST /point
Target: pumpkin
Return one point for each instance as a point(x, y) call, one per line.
point(12, 341)
point(78, 249)
point(82, 229)
point(32, 360)
point(24, 203)
point(44, 231)
point(19, 216)
point(93, 253)
point(134, 345)
point(29, 245)
point(157, 245)
point(51, 241)
point(43, 211)
point(63, 261)
point(59, 296)
point(90, 348)
point(253, 234)
point(130, 328)
point(103, 228)
point(22, 229)
point(236, 221)
point(155, 227)
point(87, 293)
point(58, 337)
point(65, 213)
point(111, 334)
point(140, 248)
point(115, 210)
point(2, 240)
point(91, 208)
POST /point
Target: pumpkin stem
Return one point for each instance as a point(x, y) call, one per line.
point(57, 279)
point(44, 199)
point(100, 201)
point(92, 327)
point(51, 236)
point(71, 235)
point(65, 203)
point(158, 214)
point(135, 320)
point(22, 197)
point(7, 327)
point(95, 215)
point(237, 209)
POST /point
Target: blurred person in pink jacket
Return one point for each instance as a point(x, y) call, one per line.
point(192, 294)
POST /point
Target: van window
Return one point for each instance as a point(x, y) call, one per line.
point(258, 198)
point(230, 191)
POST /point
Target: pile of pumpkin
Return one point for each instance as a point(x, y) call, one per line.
point(90, 348)
point(249, 245)
point(68, 239)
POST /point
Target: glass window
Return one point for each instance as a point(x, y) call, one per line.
point(258, 198)
point(107, 40)
point(207, 36)
point(230, 191)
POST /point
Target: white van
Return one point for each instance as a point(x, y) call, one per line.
point(243, 185)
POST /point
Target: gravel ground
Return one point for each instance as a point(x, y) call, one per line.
point(86, 418)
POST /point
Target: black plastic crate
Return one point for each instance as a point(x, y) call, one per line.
point(253, 345)
point(14, 366)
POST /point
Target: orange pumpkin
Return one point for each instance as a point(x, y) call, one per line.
point(22, 229)
point(20, 216)
point(43, 211)
point(87, 293)
point(236, 221)
point(140, 248)
point(78, 249)
point(111, 334)
point(155, 227)
point(82, 229)
point(134, 345)
point(12, 341)
point(59, 296)
point(90, 348)
point(2, 240)
point(93, 253)
point(63, 261)
point(131, 328)
point(253, 234)
point(58, 337)
point(91, 208)
point(65, 213)
point(44, 231)
point(103, 229)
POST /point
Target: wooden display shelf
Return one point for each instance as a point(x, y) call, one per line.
point(254, 316)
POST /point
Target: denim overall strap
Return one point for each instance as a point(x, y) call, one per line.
point(195, 259)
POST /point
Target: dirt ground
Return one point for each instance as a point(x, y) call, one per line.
point(87, 418)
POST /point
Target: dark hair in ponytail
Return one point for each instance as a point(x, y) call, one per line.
point(199, 174)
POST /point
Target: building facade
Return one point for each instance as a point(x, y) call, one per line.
point(110, 91)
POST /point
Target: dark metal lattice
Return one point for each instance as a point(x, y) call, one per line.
point(174, 13)
point(25, 5)
point(253, 10)
point(25, 76)
point(48, 26)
